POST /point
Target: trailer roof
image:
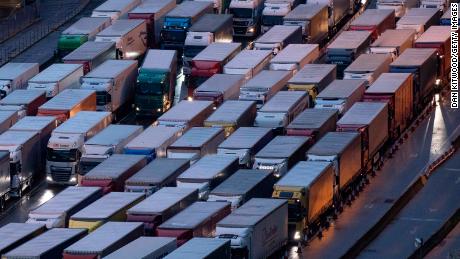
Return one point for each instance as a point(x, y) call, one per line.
point(82, 122)
point(303, 174)
point(108, 205)
point(158, 171)
point(394, 38)
point(333, 143)
point(86, 25)
point(189, 9)
point(245, 137)
point(198, 248)
point(435, 34)
point(211, 22)
point(372, 17)
point(6, 115)
point(217, 51)
point(414, 57)
point(159, 59)
point(142, 247)
point(196, 137)
point(248, 58)
point(277, 33)
point(417, 16)
point(111, 68)
point(295, 53)
point(153, 137)
point(10, 138)
point(241, 182)
point(447, 14)
point(115, 166)
point(115, 5)
point(67, 99)
point(389, 82)
point(220, 83)
point(13, 232)
point(267, 78)
point(162, 200)
point(152, 6)
point(113, 134)
point(34, 123)
point(369, 63)
point(90, 50)
point(55, 72)
point(362, 113)
point(12, 70)
point(230, 111)
point(22, 96)
point(185, 110)
point(121, 27)
point(313, 73)
point(208, 167)
point(194, 215)
point(282, 147)
point(283, 101)
point(312, 118)
point(342, 88)
point(252, 212)
point(350, 40)
point(305, 11)
point(45, 242)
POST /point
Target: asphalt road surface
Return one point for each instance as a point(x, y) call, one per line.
point(449, 248)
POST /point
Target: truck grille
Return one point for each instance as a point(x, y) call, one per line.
point(61, 174)
point(239, 30)
point(240, 23)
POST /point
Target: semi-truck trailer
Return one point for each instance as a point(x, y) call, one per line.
point(84, 30)
point(115, 9)
point(114, 82)
point(313, 18)
point(5, 183)
point(14, 76)
point(161, 206)
point(419, 19)
point(55, 213)
point(279, 37)
point(313, 78)
point(7, 119)
point(261, 234)
point(145, 247)
point(206, 248)
point(374, 20)
point(155, 86)
point(56, 78)
point(16, 234)
point(368, 67)
point(186, 114)
point(91, 54)
point(248, 63)
point(341, 95)
point(244, 143)
point(446, 17)
point(400, 7)
point(24, 102)
point(179, 20)
point(393, 42)
point(65, 145)
point(313, 123)
point(247, 17)
point(441, 5)
point(129, 36)
point(294, 57)
point(161, 172)
point(274, 11)
point(219, 88)
point(109, 141)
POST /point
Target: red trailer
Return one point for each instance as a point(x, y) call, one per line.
point(395, 89)
point(24, 101)
point(374, 20)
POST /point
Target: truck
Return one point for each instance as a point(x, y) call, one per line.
point(208, 29)
point(274, 11)
point(64, 148)
point(47, 245)
point(24, 102)
point(207, 173)
point(261, 234)
point(279, 37)
point(341, 95)
point(219, 88)
point(346, 48)
point(395, 89)
point(145, 247)
point(376, 21)
point(231, 115)
point(5, 186)
point(110, 207)
point(16, 234)
point(7, 119)
point(441, 5)
point(152, 142)
point(400, 7)
point(248, 63)
point(114, 82)
point(55, 213)
point(156, 83)
point(153, 13)
point(197, 220)
point(393, 42)
point(112, 173)
point(264, 86)
point(109, 141)
point(281, 110)
point(206, 248)
point(115, 9)
point(106, 239)
point(82, 31)
point(368, 67)
point(247, 17)
point(186, 114)
point(419, 19)
point(156, 175)
point(313, 78)
point(244, 143)
point(57, 78)
point(242, 186)
point(179, 20)
point(161, 206)
point(24, 151)
point(309, 189)
point(91, 54)
point(196, 143)
point(313, 123)
point(313, 18)
point(370, 120)
point(14, 76)
point(129, 37)
point(446, 17)
point(281, 153)
point(294, 57)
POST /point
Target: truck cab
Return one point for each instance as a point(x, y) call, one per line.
point(246, 17)
point(153, 92)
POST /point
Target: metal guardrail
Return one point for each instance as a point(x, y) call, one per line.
point(19, 20)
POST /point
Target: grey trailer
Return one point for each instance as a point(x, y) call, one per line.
point(248, 63)
point(313, 123)
point(341, 95)
point(7, 119)
point(16, 234)
point(145, 248)
point(313, 18)
point(368, 67)
point(91, 54)
point(393, 42)
point(294, 57)
point(204, 248)
point(25, 102)
point(186, 114)
point(5, 179)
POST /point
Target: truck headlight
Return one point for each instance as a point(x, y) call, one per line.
point(251, 29)
point(297, 235)
point(49, 178)
point(137, 109)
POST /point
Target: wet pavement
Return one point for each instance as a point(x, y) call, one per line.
point(449, 247)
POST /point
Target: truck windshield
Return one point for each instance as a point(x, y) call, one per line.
point(241, 12)
point(103, 98)
point(173, 35)
point(271, 20)
point(61, 155)
point(151, 82)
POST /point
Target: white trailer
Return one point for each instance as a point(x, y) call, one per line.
point(219, 88)
point(368, 67)
point(393, 42)
point(341, 95)
point(294, 57)
point(15, 76)
point(7, 119)
point(278, 37)
point(186, 114)
point(145, 247)
point(23, 101)
point(115, 9)
point(248, 63)
point(57, 78)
